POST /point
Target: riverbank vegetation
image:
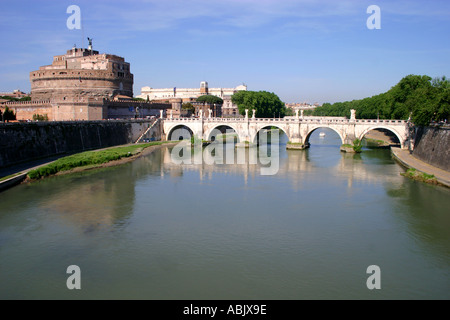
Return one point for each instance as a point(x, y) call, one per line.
point(375, 143)
point(420, 97)
point(356, 147)
point(420, 176)
point(89, 158)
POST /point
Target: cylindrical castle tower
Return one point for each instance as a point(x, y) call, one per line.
point(82, 74)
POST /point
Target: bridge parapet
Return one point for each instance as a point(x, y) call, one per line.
point(373, 121)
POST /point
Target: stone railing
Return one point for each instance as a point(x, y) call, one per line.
point(390, 122)
point(323, 120)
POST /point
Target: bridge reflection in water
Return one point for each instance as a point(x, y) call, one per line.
point(297, 165)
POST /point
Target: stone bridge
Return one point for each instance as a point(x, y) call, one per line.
point(298, 129)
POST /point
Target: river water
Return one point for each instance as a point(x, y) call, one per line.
point(152, 229)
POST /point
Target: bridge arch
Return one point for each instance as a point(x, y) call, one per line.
point(208, 134)
point(173, 128)
point(254, 139)
point(361, 136)
point(339, 133)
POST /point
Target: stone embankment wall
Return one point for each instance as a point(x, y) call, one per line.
point(21, 142)
point(432, 145)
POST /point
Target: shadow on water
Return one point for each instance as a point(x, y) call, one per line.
point(425, 213)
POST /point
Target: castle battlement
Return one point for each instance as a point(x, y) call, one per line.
point(26, 103)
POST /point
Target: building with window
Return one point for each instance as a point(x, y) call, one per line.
point(187, 94)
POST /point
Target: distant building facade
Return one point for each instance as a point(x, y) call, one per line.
point(228, 109)
point(302, 106)
point(15, 94)
point(187, 94)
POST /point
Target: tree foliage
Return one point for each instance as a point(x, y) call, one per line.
point(7, 115)
point(266, 104)
point(188, 106)
point(210, 99)
point(16, 99)
point(421, 97)
point(39, 117)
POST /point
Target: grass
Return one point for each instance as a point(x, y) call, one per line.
point(89, 158)
point(420, 176)
point(374, 141)
point(10, 176)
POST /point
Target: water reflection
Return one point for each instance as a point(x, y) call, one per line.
point(295, 165)
point(106, 200)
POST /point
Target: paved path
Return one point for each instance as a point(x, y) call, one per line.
point(409, 161)
point(20, 172)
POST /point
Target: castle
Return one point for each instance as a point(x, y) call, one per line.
point(83, 85)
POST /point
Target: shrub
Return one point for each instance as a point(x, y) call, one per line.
point(357, 145)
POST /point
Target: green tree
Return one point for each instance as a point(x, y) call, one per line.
point(443, 109)
point(266, 104)
point(424, 98)
point(188, 106)
point(210, 99)
point(8, 115)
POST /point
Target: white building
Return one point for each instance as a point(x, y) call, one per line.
point(187, 93)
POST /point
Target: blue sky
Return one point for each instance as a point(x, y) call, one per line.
point(304, 51)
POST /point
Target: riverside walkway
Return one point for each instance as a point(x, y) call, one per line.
point(409, 161)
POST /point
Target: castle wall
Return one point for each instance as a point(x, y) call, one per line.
point(33, 140)
point(25, 110)
point(432, 145)
point(91, 109)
